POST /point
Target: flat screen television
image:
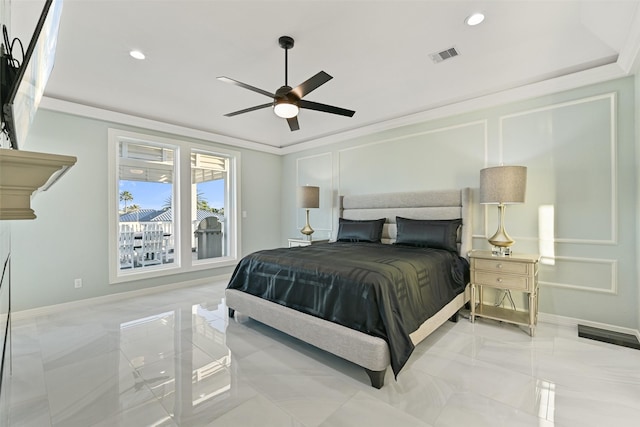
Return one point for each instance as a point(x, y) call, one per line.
point(25, 91)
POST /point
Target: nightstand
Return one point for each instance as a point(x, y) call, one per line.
point(517, 272)
point(302, 241)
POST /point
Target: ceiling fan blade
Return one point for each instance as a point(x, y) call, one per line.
point(309, 105)
point(246, 110)
point(246, 86)
point(311, 84)
point(293, 123)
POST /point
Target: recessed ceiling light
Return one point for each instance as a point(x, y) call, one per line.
point(137, 54)
point(474, 19)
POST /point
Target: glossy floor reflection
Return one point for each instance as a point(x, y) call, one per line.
point(174, 358)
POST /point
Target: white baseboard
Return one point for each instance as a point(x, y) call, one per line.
point(573, 322)
point(57, 308)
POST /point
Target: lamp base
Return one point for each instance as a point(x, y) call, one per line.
point(501, 241)
point(307, 230)
point(500, 251)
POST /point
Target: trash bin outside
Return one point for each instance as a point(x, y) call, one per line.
point(209, 235)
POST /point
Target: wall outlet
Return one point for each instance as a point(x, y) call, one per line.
point(77, 283)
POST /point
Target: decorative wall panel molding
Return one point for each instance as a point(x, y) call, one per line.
point(570, 150)
point(585, 274)
point(415, 161)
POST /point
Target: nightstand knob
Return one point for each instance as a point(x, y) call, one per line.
point(499, 265)
point(499, 280)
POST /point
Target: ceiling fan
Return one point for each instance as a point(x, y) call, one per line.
point(287, 101)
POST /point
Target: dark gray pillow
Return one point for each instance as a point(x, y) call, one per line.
point(428, 233)
point(351, 230)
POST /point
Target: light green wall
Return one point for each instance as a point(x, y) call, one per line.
point(68, 239)
point(579, 147)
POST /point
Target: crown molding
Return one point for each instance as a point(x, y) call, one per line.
point(527, 91)
point(68, 107)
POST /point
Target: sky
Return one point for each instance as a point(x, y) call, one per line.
point(154, 195)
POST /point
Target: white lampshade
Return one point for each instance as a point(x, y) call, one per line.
point(285, 110)
point(308, 197)
point(503, 185)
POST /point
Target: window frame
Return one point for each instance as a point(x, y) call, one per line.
point(181, 200)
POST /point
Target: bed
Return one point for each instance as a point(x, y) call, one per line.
point(367, 301)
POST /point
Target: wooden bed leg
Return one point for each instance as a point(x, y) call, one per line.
point(376, 377)
point(232, 312)
point(454, 318)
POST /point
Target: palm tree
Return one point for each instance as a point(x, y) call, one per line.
point(201, 203)
point(125, 197)
point(167, 203)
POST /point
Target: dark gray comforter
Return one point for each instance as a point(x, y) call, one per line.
point(386, 291)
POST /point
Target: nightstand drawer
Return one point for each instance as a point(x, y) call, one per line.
point(503, 281)
point(498, 265)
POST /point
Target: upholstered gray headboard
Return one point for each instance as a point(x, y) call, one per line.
point(439, 204)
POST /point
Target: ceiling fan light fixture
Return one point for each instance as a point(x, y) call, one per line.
point(285, 109)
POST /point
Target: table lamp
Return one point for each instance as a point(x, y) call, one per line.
point(502, 185)
point(308, 198)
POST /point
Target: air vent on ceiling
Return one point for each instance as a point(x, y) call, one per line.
point(445, 54)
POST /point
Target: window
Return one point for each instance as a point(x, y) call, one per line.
point(173, 206)
point(209, 189)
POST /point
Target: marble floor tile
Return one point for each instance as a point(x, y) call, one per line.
point(174, 358)
point(256, 412)
point(369, 411)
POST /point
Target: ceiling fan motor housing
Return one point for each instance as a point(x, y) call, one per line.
point(285, 103)
point(285, 94)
